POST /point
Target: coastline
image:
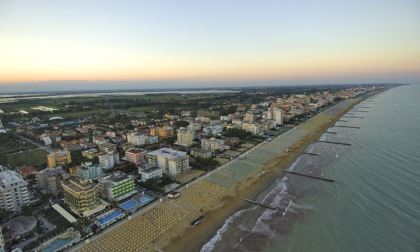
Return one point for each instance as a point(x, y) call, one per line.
point(181, 237)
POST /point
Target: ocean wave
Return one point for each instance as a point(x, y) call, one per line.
point(209, 246)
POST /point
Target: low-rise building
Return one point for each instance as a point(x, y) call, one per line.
point(105, 146)
point(212, 144)
point(197, 152)
point(90, 154)
point(148, 171)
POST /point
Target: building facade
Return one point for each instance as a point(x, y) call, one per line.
point(276, 114)
point(212, 144)
point(13, 191)
point(135, 155)
point(148, 172)
point(172, 162)
point(82, 196)
point(116, 187)
point(185, 137)
point(107, 160)
point(58, 158)
point(136, 139)
point(50, 179)
point(87, 170)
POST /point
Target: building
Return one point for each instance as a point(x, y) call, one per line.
point(107, 160)
point(90, 154)
point(212, 144)
point(50, 179)
point(27, 170)
point(116, 187)
point(136, 139)
point(250, 117)
point(275, 114)
point(87, 170)
point(135, 155)
point(197, 152)
point(105, 146)
point(162, 132)
point(81, 196)
point(253, 128)
point(151, 139)
point(13, 191)
point(148, 171)
point(185, 137)
point(171, 162)
point(2, 243)
point(58, 158)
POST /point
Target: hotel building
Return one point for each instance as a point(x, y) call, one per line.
point(116, 187)
point(172, 162)
point(81, 195)
point(58, 158)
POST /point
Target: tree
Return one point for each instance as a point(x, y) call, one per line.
point(27, 210)
point(182, 124)
point(4, 214)
point(31, 178)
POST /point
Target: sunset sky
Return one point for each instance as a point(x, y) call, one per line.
point(176, 43)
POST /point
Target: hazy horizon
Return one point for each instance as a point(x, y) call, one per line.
point(45, 45)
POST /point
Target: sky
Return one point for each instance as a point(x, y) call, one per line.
point(89, 44)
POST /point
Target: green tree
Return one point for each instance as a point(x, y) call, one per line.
point(27, 210)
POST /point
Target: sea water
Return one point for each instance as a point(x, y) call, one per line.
point(374, 203)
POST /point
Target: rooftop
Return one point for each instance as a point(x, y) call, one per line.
point(168, 153)
point(9, 177)
point(79, 184)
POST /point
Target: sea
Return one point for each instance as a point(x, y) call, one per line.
point(373, 203)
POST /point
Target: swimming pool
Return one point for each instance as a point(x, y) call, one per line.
point(127, 206)
point(57, 243)
point(109, 217)
point(144, 199)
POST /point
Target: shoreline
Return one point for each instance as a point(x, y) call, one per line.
point(193, 239)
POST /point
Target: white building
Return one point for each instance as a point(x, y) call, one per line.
point(212, 144)
point(136, 139)
point(172, 162)
point(107, 160)
point(148, 171)
point(185, 137)
point(13, 191)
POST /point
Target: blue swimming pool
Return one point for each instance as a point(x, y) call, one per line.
point(57, 243)
point(109, 217)
point(127, 206)
point(144, 199)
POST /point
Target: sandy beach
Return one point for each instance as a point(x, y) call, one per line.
point(182, 237)
point(166, 226)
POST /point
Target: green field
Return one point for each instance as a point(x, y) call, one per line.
point(33, 157)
